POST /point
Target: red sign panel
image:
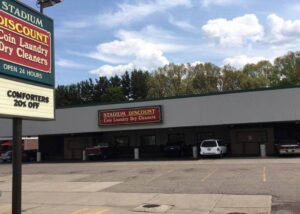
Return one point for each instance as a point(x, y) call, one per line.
point(24, 44)
point(139, 115)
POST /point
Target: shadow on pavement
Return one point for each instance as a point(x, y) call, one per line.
point(286, 208)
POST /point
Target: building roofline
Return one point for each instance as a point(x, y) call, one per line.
point(180, 97)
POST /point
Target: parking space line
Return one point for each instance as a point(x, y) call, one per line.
point(101, 211)
point(89, 211)
point(81, 211)
point(160, 175)
point(264, 174)
point(210, 174)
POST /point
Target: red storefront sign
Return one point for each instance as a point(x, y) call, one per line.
point(139, 115)
point(24, 44)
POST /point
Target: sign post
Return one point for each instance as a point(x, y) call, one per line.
point(26, 75)
point(17, 167)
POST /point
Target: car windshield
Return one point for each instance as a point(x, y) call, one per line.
point(209, 143)
point(7, 153)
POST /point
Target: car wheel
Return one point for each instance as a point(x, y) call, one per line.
point(221, 154)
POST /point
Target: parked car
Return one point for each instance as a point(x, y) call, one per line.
point(288, 147)
point(6, 156)
point(213, 147)
point(174, 149)
point(101, 151)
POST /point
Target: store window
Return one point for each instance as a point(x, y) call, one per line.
point(122, 141)
point(176, 138)
point(148, 140)
point(252, 136)
point(204, 136)
point(77, 143)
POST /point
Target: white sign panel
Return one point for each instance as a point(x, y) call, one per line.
point(25, 100)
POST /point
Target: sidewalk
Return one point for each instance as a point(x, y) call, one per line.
point(77, 194)
point(119, 203)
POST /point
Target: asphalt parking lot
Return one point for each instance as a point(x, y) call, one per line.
point(277, 178)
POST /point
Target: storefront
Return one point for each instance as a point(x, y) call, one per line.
point(244, 120)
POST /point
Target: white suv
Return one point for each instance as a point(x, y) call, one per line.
point(213, 147)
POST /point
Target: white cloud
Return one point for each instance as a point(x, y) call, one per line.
point(207, 3)
point(283, 31)
point(64, 63)
point(143, 49)
point(127, 13)
point(141, 54)
point(193, 64)
point(162, 39)
point(184, 25)
point(100, 55)
point(241, 60)
point(75, 24)
point(235, 32)
point(73, 28)
point(108, 70)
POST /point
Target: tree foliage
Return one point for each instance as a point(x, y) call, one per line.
point(181, 80)
point(139, 87)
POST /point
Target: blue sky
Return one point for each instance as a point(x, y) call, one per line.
point(105, 37)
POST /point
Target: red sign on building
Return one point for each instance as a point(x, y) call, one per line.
point(140, 115)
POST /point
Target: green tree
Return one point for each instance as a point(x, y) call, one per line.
point(126, 84)
point(157, 85)
point(114, 94)
point(115, 81)
point(61, 96)
point(176, 76)
point(87, 91)
point(287, 70)
point(139, 86)
point(171, 80)
point(231, 78)
point(187, 83)
point(207, 78)
point(73, 94)
point(257, 75)
point(100, 88)
point(184, 79)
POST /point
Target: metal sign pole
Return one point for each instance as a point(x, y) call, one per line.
point(17, 167)
point(41, 9)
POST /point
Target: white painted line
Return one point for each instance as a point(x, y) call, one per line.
point(101, 211)
point(163, 174)
point(210, 174)
point(264, 176)
point(81, 211)
point(89, 211)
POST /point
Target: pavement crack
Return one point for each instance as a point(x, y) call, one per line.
point(31, 208)
point(215, 205)
point(155, 196)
